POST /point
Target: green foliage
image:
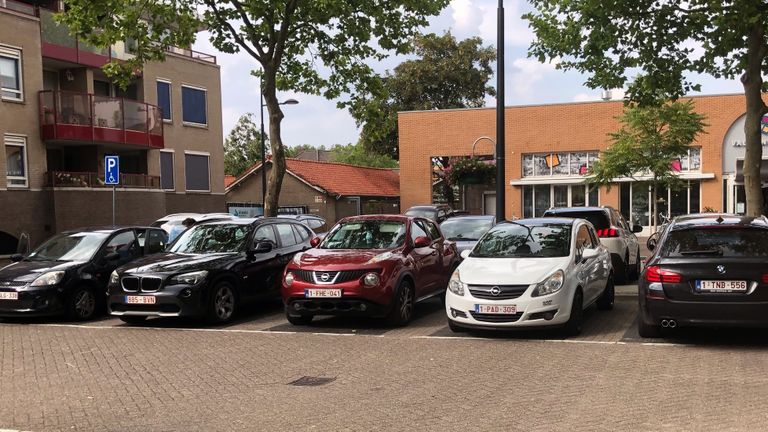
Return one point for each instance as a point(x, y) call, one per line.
point(356, 154)
point(474, 170)
point(446, 74)
point(649, 140)
point(242, 148)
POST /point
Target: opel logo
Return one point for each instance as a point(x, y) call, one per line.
point(721, 269)
point(325, 277)
point(495, 290)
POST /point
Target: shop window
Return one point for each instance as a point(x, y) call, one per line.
point(10, 74)
point(558, 164)
point(196, 172)
point(16, 161)
point(528, 201)
point(193, 101)
point(167, 180)
point(164, 99)
point(691, 161)
point(537, 199)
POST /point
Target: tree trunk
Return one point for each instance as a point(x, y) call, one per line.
point(654, 213)
point(752, 81)
point(275, 115)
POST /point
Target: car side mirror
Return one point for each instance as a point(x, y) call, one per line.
point(637, 228)
point(421, 241)
point(17, 257)
point(465, 253)
point(112, 256)
point(651, 243)
point(589, 253)
point(314, 242)
point(262, 247)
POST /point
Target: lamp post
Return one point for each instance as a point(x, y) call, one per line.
point(500, 205)
point(264, 147)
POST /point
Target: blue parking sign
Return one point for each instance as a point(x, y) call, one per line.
point(112, 170)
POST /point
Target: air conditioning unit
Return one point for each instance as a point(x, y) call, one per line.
point(606, 95)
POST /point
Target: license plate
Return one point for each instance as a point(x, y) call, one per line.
point(322, 293)
point(9, 296)
point(496, 309)
point(721, 286)
point(140, 299)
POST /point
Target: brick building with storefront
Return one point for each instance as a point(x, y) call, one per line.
point(549, 149)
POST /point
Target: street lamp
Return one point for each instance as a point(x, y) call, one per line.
point(263, 146)
point(500, 189)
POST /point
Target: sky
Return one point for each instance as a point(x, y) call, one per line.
point(317, 121)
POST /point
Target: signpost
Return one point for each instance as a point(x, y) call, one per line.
point(112, 177)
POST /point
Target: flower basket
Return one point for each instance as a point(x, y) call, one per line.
point(472, 171)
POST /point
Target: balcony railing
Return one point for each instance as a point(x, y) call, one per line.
point(18, 6)
point(83, 117)
point(66, 179)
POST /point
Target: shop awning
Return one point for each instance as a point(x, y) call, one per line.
point(525, 181)
point(740, 170)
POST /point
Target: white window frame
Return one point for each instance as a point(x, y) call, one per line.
point(196, 153)
point(16, 54)
point(188, 123)
point(173, 171)
point(17, 141)
point(170, 99)
point(566, 161)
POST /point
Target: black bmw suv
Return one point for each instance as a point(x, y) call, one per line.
point(68, 274)
point(209, 270)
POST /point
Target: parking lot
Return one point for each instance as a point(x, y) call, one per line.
point(260, 373)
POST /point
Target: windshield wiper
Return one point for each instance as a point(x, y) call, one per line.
point(702, 252)
point(529, 229)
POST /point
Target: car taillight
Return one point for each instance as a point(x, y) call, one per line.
point(658, 274)
point(765, 278)
point(607, 232)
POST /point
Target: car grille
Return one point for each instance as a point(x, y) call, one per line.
point(304, 275)
point(335, 277)
point(144, 284)
point(506, 292)
point(11, 283)
point(496, 318)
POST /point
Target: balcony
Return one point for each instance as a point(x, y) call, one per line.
point(66, 179)
point(18, 6)
point(81, 117)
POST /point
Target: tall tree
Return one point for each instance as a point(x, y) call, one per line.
point(650, 139)
point(447, 73)
point(242, 147)
point(666, 40)
point(290, 39)
point(357, 154)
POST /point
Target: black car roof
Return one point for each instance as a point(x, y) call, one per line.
point(107, 229)
point(461, 217)
point(249, 221)
point(539, 221)
point(574, 209)
point(718, 219)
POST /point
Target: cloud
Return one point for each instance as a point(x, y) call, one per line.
point(526, 73)
point(516, 30)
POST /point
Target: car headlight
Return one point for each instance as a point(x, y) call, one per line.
point(192, 278)
point(550, 285)
point(289, 278)
point(381, 257)
point(114, 278)
point(371, 279)
point(455, 285)
point(48, 279)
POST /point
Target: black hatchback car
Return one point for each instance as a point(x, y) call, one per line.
point(706, 270)
point(209, 270)
point(68, 274)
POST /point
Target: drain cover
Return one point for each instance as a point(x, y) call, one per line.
point(309, 381)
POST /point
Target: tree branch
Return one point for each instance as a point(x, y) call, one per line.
point(249, 26)
point(224, 23)
point(290, 8)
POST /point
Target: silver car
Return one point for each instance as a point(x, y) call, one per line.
point(465, 231)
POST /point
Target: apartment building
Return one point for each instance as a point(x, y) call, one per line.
point(60, 115)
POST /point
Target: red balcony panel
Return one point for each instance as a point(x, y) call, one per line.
point(60, 52)
point(91, 59)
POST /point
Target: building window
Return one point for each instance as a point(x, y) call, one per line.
point(164, 99)
point(558, 164)
point(16, 161)
point(193, 101)
point(539, 198)
point(166, 171)
point(690, 161)
point(10, 74)
point(635, 200)
point(196, 172)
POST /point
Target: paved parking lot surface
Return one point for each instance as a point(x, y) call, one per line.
point(178, 375)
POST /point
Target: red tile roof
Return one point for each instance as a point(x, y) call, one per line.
point(341, 179)
point(229, 179)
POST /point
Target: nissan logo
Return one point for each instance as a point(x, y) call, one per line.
point(495, 291)
point(721, 269)
point(325, 277)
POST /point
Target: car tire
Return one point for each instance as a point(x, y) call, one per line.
point(402, 307)
point(82, 304)
point(637, 269)
point(608, 297)
point(222, 303)
point(647, 330)
point(299, 320)
point(133, 320)
point(573, 326)
point(455, 327)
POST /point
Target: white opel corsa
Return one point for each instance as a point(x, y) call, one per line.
point(531, 273)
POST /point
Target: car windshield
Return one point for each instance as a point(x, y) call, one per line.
point(69, 247)
point(514, 240)
point(425, 213)
point(598, 218)
point(716, 242)
point(369, 234)
point(200, 239)
point(465, 229)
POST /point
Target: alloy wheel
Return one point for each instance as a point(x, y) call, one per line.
point(85, 304)
point(224, 303)
point(406, 302)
